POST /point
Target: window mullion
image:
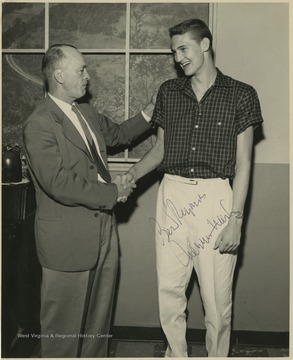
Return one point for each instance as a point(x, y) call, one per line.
point(127, 68)
point(46, 26)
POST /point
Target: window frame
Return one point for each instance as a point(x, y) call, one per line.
point(115, 163)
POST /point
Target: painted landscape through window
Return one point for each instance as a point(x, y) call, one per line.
point(126, 47)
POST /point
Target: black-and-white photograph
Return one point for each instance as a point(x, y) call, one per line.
point(145, 179)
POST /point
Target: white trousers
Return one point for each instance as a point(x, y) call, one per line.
point(190, 215)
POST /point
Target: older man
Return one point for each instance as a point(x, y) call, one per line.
point(75, 229)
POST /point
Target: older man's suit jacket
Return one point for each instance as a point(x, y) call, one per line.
point(69, 197)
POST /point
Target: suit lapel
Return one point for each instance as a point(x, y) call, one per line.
point(72, 134)
point(69, 130)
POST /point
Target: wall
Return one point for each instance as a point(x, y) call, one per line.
point(251, 45)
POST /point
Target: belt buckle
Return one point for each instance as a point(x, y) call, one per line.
point(194, 181)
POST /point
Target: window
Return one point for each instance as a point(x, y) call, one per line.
point(126, 46)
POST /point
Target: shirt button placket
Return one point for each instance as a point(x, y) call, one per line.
point(199, 110)
point(196, 126)
point(198, 117)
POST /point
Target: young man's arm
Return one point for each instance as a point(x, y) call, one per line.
point(149, 162)
point(229, 239)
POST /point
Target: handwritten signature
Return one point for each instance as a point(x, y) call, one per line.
point(176, 217)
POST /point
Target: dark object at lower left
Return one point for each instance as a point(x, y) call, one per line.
point(11, 164)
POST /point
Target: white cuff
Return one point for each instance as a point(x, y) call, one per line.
point(147, 118)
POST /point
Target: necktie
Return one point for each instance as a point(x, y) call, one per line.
point(96, 157)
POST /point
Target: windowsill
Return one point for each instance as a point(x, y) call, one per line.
point(121, 165)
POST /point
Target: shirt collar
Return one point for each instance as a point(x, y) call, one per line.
point(221, 79)
point(182, 83)
point(65, 107)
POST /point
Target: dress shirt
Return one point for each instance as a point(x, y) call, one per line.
point(200, 137)
point(67, 109)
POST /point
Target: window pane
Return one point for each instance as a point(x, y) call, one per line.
point(107, 84)
point(23, 26)
point(107, 88)
point(150, 23)
point(147, 73)
point(88, 26)
point(22, 89)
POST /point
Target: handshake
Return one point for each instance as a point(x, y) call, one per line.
point(125, 184)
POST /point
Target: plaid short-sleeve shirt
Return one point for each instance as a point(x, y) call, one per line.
point(200, 138)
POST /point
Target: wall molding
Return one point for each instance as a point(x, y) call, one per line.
point(243, 337)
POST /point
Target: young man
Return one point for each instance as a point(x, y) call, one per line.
point(204, 141)
point(76, 234)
